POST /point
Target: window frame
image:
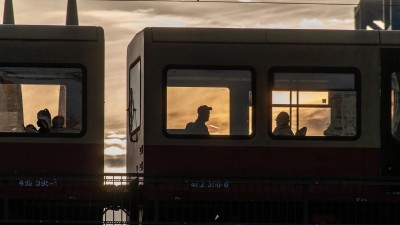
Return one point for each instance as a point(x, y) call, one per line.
point(316, 70)
point(84, 99)
point(208, 67)
point(130, 119)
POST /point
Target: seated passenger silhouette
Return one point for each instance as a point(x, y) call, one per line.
point(58, 124)
point(199, 126)
point(282, 126)
point(30, 129)
point(44, 121)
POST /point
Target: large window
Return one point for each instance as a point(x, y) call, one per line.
point(216, 102)
point(134, 100)
point(314, 104)
point(395, 105)
point(40, 101)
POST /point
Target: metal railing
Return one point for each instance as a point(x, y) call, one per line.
point(143, 199)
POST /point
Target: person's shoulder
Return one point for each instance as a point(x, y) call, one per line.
point(302, 132)
point(189, 125)
point(283, 131)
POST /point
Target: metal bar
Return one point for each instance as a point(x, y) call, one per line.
point(157, 203)
point(6, 196)
point(305, 204)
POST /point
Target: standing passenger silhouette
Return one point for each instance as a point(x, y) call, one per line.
point(199, 126)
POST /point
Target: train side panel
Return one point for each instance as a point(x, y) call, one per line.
point(259, 153)
point(61, 69)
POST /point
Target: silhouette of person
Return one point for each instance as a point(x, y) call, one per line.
point(44, 121)
point(58, 124)
point(282, 125)
point(30, 129)
point(199, 126)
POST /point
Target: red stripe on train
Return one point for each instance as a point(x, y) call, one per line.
point(51, 158)
point(261, 161)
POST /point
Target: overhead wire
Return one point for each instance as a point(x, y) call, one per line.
point(262, 2)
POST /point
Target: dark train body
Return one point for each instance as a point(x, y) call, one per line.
point(60, 70)
point(354, 68)
point(69, 59)
point(343, 86)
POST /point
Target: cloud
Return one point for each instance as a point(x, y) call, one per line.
point(115, 169)
point(112, 134)
point(341, 22)
point(278, 25)
point(311, 23)
point(115, 151)
point(111, 161)
point(40, 12)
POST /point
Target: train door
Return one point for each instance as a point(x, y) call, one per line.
point(390, 111)
point(134, 117)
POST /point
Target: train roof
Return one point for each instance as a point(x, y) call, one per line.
point(260, 36)
point(47, 32)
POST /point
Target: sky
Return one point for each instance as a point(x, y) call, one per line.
point(121, 20)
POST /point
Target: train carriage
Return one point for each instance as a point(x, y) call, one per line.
point(61, 69)
point(341, 85)
point(279, 103)
point(51, 121)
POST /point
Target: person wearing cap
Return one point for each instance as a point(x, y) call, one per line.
point(282, 125)
point(199, 126)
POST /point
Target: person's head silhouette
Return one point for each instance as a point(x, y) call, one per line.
point(199, 126)
point(203, 113)
point(58, 122)
point(282, 125)
point(44, 121)
point(282, 119)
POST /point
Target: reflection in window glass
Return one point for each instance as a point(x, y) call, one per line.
point(305, 97)
point(283, 97)
point(134, 98)
point(40, 100)
point(323, 104)
point(208, 102)
point(314, 119)
point(313, 97)
point(395, 103)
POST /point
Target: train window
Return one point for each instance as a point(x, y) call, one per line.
point(216, 102)
point(314, 104)
point(134, 99)
point(395, 105)
point(36, 100)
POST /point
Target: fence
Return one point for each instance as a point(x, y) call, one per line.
point(142, 199)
